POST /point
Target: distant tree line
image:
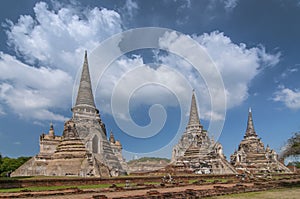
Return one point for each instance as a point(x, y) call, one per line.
point(145, 159)
point(296, 164)
point(8, 165)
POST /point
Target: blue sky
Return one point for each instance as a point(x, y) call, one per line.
point(254, 45)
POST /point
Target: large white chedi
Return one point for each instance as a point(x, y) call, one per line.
point(83, 149)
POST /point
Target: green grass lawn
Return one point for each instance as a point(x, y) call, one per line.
point(209, 180)
point(286, 193)
point(37, 177)
point(51, 188)
point(192, 181)
point(152, 183)
point(218, 179)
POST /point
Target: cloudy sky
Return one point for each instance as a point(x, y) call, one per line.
point(235, 54)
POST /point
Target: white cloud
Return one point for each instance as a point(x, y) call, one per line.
point(213, 115)
point(290, 98)
point(266, 58)
point(30, 91)
point(129, 83)
point(289, 71)
point(49, 50)
point(237, 64)
point(17, 143)
point(56, 39)
point(184, 4)
point(293, 70)
point(130, 8)
point(156, 84)
point(230, 4)
point(38, 123)
point(59, 38)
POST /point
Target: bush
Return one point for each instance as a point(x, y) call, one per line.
point(10, 164)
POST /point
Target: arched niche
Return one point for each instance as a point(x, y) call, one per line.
point(95, 144)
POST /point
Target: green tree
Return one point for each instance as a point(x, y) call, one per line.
point(292, 148)
point(11, 164)
point(296, 164)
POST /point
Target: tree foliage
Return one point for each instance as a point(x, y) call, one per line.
point(10, 164)
point(296, 164)
point(151, 159)
point(292, 148)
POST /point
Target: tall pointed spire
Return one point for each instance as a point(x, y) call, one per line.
point(250, 127)
point(85, 105)
point(85, 94)
point(112, 137)
point(194, 117)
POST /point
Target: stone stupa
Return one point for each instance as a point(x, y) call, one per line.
point(83, 149)
point(253, 157)
point(196, 152)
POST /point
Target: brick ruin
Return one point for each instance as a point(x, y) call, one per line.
point(253, 157)
point(196, 152)
point(83, 149)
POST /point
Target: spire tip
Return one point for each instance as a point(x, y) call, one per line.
point(194, 117)
point(84, 93)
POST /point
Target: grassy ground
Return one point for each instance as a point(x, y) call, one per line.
point(51, 188)
point(287, 193)
point(209, 180)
